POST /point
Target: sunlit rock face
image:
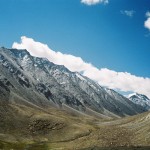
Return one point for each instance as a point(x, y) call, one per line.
point(42, 82)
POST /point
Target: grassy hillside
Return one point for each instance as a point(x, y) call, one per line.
point(27, 126)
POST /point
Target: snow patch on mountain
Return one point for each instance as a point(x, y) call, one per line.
point(140, 100)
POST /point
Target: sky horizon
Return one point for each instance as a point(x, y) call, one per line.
point(109, 37)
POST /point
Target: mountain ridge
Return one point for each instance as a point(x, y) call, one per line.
point(59, 85)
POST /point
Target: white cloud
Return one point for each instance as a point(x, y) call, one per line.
point(93, 2)
point(147, 22)
point(128, 13)
point(116, 80)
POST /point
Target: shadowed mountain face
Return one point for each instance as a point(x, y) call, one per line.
point(42, 83)
point(45, 106)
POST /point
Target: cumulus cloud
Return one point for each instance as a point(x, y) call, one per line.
point(93, 2)
point(147, 22)
point(129, 13)
point(122, 81)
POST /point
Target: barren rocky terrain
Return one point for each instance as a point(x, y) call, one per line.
point(44, 106)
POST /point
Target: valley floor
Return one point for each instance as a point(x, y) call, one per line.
point(46, 146)
point(32, 128)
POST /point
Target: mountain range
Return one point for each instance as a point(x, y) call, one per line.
point(41, 101)
point(36, 78)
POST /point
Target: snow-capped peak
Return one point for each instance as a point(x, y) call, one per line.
point(140, 99)
point(130, 95)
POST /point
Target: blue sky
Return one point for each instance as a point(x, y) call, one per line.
point(101, 34)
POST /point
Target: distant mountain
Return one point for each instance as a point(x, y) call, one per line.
point(140, 99)
point(43, 83)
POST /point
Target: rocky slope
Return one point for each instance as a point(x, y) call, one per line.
point(41, 82)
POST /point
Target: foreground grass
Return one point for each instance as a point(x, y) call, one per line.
point(119, 148)
point(22, 146)
point(46, 146)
